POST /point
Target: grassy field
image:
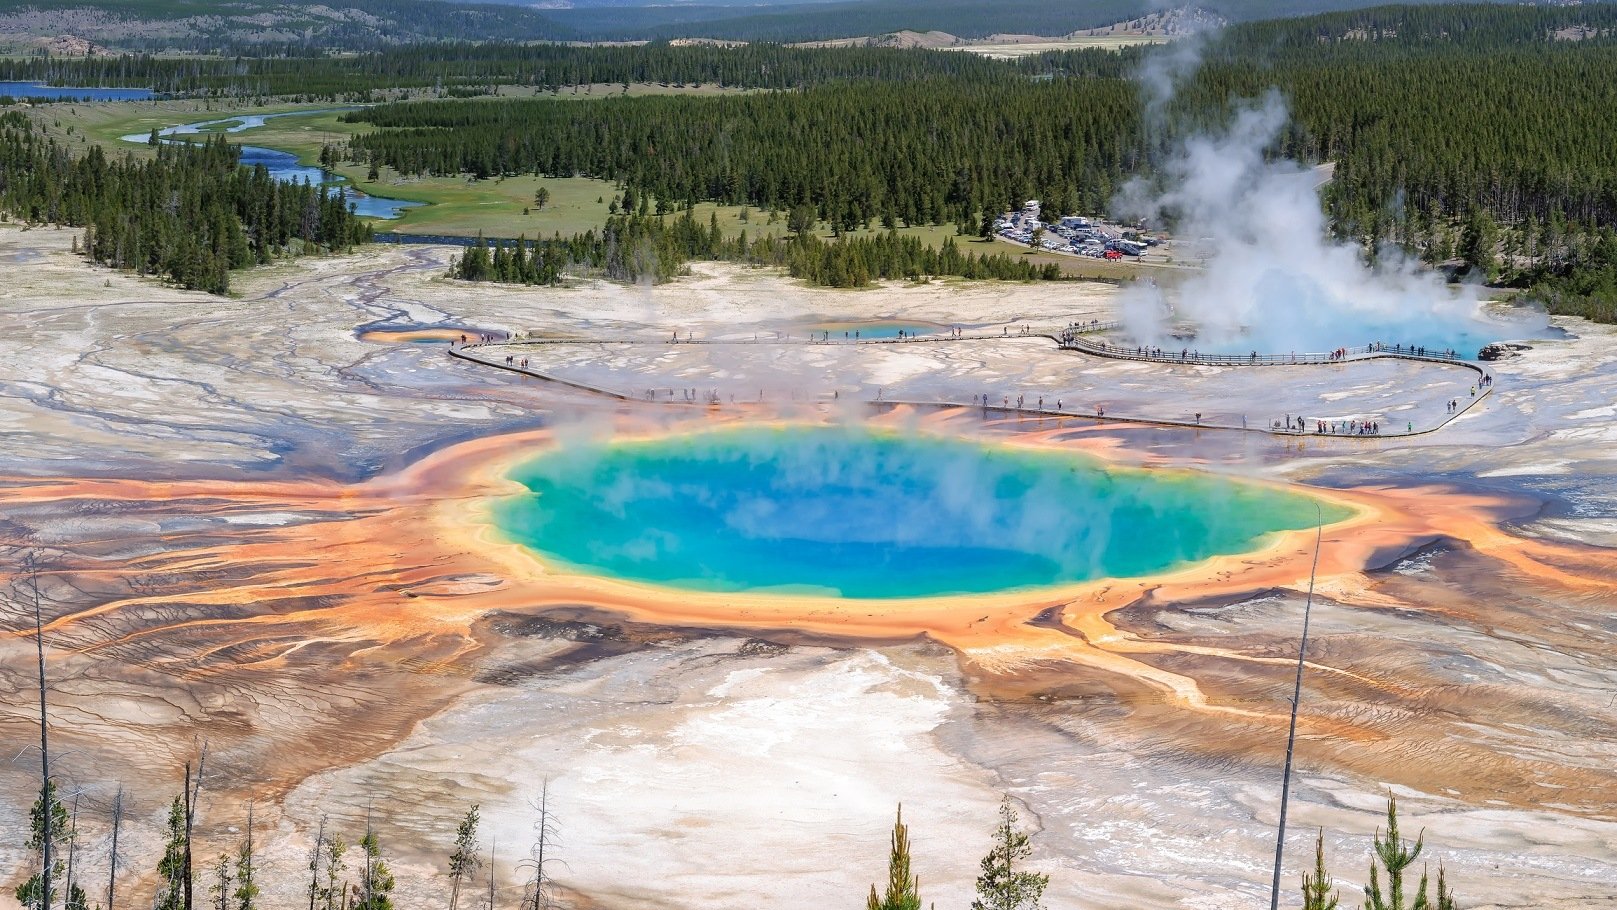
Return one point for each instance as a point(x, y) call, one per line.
point(1010, 50)
point(500, 207)
point(106, 122)
point(458, 206)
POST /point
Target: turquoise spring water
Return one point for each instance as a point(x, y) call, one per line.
point(869, 331)
point(860, 514)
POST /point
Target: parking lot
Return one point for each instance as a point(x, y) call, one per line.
point(1076, 235)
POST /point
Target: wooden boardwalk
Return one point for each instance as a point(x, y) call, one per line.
point(1065, 339)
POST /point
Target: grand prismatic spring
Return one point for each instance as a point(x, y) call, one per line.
point(870, 515)
point(738, 597)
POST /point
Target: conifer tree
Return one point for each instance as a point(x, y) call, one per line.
point(464, 861)
point(222, 889)
point(1002, 885)
point(375, 880)
point(903, 889)
point(331, 894)
point(246, 893)
point(1319, 892)
point(1394, 856)
point(171, 867)
point(48, 814)
point(1445, 897)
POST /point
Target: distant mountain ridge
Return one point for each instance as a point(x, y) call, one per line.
point(298, 26)
point(822, 20)
point(207, 26)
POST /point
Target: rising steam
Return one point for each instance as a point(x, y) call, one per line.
point(1272, 278)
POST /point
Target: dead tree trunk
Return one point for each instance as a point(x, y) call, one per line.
point(491, 845)
point(540, 891)
point(31, 568)
point(72, 853)
point(245, 877)
point(314, 861)
point(193, 790)
point(185, 861)
point(117, 822)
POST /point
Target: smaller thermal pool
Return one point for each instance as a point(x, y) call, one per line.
point(1464, 337)
point(875, 515)
point(873, 330)
point(415, 334)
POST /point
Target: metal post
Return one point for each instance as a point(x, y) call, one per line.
point(1296, 700)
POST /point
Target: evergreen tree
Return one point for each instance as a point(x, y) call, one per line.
point(246, 893)
point(171, 867)
point(222, 890)
point(464, 861)
point(1319, 892)
point(331, 893)
point(31, 893)
point(376, 880)
point(189, 214)
point(1445, 897)
point(1477, 248)
point(801, 218)
point(1002, 885)
point(903, 889)
point(1394, 856)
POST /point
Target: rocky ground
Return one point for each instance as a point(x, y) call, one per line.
point(257, 517)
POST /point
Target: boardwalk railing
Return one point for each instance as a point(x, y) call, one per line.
point(1070, 339)
point(1188, 356)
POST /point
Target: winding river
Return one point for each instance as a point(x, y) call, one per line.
point(285, 165)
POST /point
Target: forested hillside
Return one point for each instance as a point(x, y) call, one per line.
point(227, 27)
point(932, 151)
point(1517, 129)
point(458, 65)
point(819, 21)
point(1470, 132)
point(850, 18)
point(1473, 132)
point(190, 214)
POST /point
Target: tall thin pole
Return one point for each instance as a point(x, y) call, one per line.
point(193, 793)
point(1296, 700)
point(492, 843)
point(46, 796)
point(72, 852)
point(185, 858)
point(117, 822)
point(246, 867)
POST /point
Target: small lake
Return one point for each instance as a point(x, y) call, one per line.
point(73, 93)
point(284, 166)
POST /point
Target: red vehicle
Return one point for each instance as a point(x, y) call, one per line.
point(1113, 254)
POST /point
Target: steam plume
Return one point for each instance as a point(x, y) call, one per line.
point(1273, 280)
